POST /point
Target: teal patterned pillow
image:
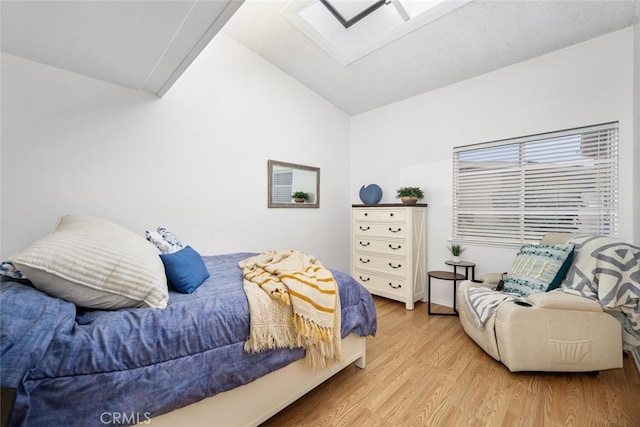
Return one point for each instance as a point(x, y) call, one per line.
point(538, 268)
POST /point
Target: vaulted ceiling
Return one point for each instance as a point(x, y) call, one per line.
point(143, 45)
point(147, 44)
point(479, 37)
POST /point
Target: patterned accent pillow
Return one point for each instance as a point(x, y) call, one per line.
point(7, 269)
point(95, 263)
point(164, 240)
point(538, 268)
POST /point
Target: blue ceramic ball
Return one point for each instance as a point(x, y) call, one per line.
point(370, 194)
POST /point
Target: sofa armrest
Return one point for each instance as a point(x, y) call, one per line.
point(560, 332)
point(491, 278)
point(557, 300)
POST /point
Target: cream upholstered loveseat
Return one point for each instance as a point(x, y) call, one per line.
point(558, 332)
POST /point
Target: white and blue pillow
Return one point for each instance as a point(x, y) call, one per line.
point(538, 268)
point(7, 269)
point(164, 240)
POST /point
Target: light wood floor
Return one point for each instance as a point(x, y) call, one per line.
point(424, 371)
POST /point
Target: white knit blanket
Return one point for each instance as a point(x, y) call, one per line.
point(293, 302)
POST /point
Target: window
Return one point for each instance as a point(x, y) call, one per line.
point(516, 190)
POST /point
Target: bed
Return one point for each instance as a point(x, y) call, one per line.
point(181, 364)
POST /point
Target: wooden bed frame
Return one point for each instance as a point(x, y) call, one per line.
point(256, 402)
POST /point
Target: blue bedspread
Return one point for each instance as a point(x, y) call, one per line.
point(78, 367)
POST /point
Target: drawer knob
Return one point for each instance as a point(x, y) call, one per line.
point(391, 214)
point(366, 214)
point(395, 231)
point(395, 287)
point(395, 266)
point(395, 248)
point(364, 228)
point(365, 261)
point(365, 243)
point(364, 279)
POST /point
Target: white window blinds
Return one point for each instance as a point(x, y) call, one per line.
point(515, 191)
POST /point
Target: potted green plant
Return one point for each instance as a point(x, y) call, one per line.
point(456, 250)
point(300, 197)
point(410, 195)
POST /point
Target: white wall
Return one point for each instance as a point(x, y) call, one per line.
point(71, 144)
point(636, 133)
point(410, 142)
point(194, 161)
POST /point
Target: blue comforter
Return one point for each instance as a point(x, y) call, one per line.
point(78, 367)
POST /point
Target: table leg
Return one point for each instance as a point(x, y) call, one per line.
point(428, 294)
point(455, 282)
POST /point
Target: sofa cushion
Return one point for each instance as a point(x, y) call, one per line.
point(97, 264)
point(538, 268)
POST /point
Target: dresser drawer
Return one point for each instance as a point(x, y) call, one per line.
point(382, 264)
point(379, 284)
point(379, 215)
point(382, 246)
point(392, 215)
point(365, 215)
point(381, 230)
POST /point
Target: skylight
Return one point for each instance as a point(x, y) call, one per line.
point(349, 13)
point(350, 29)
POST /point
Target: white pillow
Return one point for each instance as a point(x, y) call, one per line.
point(95, 263)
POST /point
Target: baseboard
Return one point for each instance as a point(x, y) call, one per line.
point(635, 352)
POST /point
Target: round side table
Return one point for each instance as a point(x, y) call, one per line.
point(467, 265)
point(451, 276)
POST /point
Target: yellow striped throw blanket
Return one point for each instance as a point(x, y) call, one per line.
point(293, 302)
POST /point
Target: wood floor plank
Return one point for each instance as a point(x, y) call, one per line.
point(425, 371)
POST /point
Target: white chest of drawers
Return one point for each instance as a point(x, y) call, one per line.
point(389, 250)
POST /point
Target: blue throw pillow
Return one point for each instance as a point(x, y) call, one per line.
point(538, 268)
point(185, 269)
